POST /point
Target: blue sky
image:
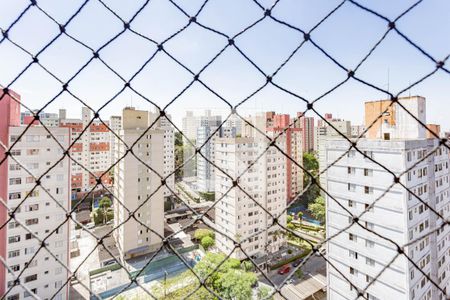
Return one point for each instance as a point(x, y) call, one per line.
point(347, 35)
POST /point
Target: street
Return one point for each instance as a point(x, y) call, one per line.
point(314, 267)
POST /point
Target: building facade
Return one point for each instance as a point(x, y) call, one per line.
point(38, 211)
point(169, 150)
point(359, 185)
point(237, 215)
point(306, 125)
point(115, 124)
point(189, 125)
point(91, 151)
point(292, 136)
point(137, 187)
point(207, 132)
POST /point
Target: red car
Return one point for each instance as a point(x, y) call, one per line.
point(284, 269)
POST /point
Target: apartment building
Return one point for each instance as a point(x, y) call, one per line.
point(334, 128)
point(279, 125)
point(189, 125)
point(236, 214)
point(137, 187)
point(357, 130)
point(46, 119)
point(91, 150)
point(169, 150)
point(306, 124)
point(208, 126)
point(358, 184)
point(38, 211)
point(115, 124)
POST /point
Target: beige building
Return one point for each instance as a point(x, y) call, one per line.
point(137, 187)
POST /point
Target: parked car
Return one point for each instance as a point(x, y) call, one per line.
point(284, 269)
point(297, 263)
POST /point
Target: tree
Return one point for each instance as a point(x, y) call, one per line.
point(237, 284)
point(289, 219)
point(317, 209)
point(247, 265)
point(311, 164)
point(207, 242)
point(299, 273)
point(104, 204)
point(230, 280)
point(263, 293)
point(300, 216)
point(179, 155)
point(199, 234)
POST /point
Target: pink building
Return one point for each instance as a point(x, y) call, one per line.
point(306, 124)
point(10, 112)
point(278, 123)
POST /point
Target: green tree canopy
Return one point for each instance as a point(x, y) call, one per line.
point(199, 234)
point(207, 242)
point(105, 203)
point(289, 219)
point(263, 292)
point(311, 164)
point(317, 209)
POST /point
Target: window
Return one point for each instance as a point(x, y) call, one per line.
point(370, 262)
point(368, 172)
point(32, 207)
point(352, 271)
point(350, 203)
point(369, 225)
point(351, 187)
point(32, 151)
point(15, 181)
point(408, 156)
point(14, 167)
point(13, 297)
point(370, 244)
point(15, 268)
point(368, 154)
point(31, 278)
point(29, 250)
point(13, 239)
point(368, 190)
point(13, 253)
point(353, 254)
point(33, 221)
point(14, 196)
point(351, 237)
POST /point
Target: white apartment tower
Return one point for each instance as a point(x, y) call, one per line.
point(169, 149)
point(398, 142)
point(236, 214)
point(39, 211)
point(208, 126)
point(115, 124)
point(137, 186)
point(189, 125)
